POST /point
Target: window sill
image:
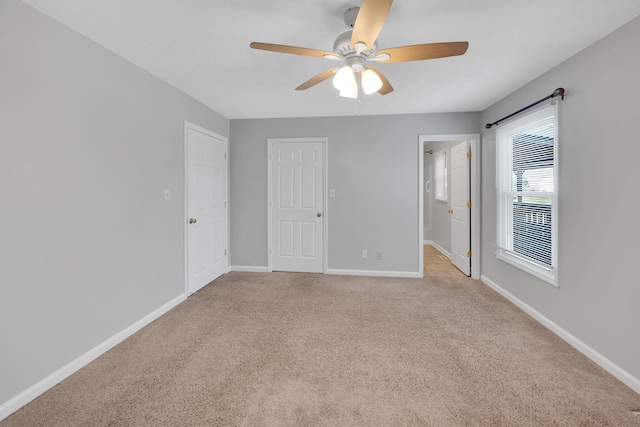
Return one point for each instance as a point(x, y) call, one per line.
point(545, 275)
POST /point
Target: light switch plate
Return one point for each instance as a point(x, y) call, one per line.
point(332, 192)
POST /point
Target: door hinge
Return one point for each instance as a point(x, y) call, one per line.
point(270, 156)
point(225, 156)
point(469, 154)
point(225, 252)
point(469, 205)
point(469, 254)
point(225, 203)
point(270, 203)
point(271, 251)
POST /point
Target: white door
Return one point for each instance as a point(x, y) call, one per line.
point(206, 207)
point(297, 216)
point(461, 217)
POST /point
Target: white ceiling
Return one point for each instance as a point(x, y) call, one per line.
point(202, 48)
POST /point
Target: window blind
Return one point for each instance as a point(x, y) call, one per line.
point(526, 188)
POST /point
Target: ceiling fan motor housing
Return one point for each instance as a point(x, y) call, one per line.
point(342, 47)
point(356, 62)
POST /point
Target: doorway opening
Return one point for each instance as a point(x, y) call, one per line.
point(450, 222)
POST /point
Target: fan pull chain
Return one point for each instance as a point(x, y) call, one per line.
point(357, 101)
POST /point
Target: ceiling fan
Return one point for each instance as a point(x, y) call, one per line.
point(358, 47)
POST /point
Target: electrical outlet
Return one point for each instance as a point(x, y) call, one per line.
point(378, 255)
point(364, 253)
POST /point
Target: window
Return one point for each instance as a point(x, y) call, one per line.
point(440, 175)
point(526, 182)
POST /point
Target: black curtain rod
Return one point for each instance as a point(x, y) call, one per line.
point(557, 92)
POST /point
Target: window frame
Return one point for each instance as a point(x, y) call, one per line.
point(529, 265)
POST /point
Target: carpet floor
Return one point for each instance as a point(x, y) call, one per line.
point(312, 350)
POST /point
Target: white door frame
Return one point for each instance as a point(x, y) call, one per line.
point(474, 146)
point(325, 207)
point(187, 126)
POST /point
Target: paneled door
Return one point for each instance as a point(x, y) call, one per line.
point(461, 215)
point(296, 205)
point(206, 207)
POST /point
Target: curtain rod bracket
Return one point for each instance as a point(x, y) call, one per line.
point(558, 92)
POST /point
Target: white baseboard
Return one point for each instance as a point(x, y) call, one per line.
point(369, 273)
point(407, 274)
point(438, 247)
point(17, 402)
point(606, 364)
point(249, 269)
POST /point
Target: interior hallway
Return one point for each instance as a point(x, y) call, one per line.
point(438, 264)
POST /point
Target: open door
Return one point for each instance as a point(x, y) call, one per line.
point(461, 207)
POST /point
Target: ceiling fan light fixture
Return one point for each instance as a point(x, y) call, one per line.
point(370, 81)
point(344, 78)
point(359, 45)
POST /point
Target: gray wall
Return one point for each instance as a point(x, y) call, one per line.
point(88, 143)
point(597, 300)
point(373, 165)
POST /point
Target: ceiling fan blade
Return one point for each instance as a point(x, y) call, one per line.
point(317, 79)
point(291, 49)
point(386, 86)
point(371, 18)
point(424, 51)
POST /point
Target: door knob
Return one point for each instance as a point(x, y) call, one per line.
point(192, 220)
point(450, 211)
point(319, 214)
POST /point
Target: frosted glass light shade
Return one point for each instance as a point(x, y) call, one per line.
point(351, 92)
point(370, 82)
point(344, 78)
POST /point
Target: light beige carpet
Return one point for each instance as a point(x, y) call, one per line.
point(308, 350)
